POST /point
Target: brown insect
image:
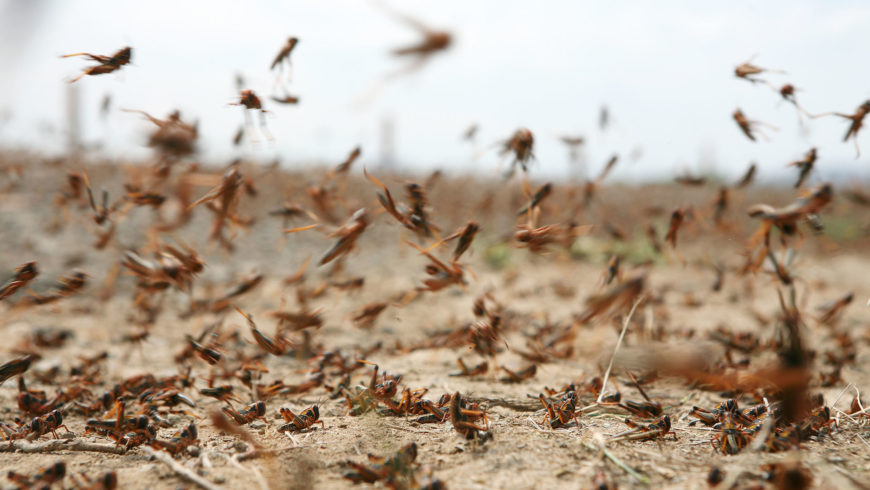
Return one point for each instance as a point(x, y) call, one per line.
point(710, 418)
point(106, 481)
point(465, 235)
point(353, 284)
point(603, 118)
point(245, 285)
point(254, 411)
point(831, 311)
point(443, 275)
point(644, 432)
point(414, 217)
point(612, 271)
point(222, 393)
point(857, 123)
point(559, 414)
point(519, 376)
point(173, 137)
point(590, 189)
point(208, 353)
point(20, 278)
point(542, 193)
point(470, 132)
point(788, 476)
point(173, 266)
point(366, 316)
point(720, 205)
point(461, 418)
point(648, 409)
point(223, 200)
point(239, 135)
point(653, 238)
point(747, 71)
point(34, 403)
point(538, 238)
point(250, 101)
point(276, 347)
point(690, 180)
point(787, 92)
point(730, 439)
point(44, 424)
point(283, 56)
point(102, 212)
point(478, 370)
point(107, 64)
point(805, 166)
point(521, 145)
point(746, 125)
point(616, 298)
point(180, 441)
point(397, 470)
point(676, 220)
point(290, 211)
point(287, 99)
point(344, 167)
point(347, 235)
point(747, 178)
point(786, 219)
point(66, 286)
point(298, 320)
point(45, 478)
point(857, 408)
point(433, 42)
point(303, 421)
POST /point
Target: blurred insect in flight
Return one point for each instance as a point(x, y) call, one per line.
point(805, 166)
point(107, 64)
point(250, 101)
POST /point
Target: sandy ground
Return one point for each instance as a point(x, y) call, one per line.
point(533, 289)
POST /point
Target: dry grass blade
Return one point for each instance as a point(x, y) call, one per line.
point(183, 472)
point(55, 445)
point(616, 349)
point(618, 462)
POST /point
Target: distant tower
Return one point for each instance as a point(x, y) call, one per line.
point(388, 142)
point(73, 120)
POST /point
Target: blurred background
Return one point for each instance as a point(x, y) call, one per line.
point(664, 70)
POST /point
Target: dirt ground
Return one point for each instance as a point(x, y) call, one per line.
point(534, 290)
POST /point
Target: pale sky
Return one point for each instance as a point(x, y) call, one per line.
point(665, 69)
